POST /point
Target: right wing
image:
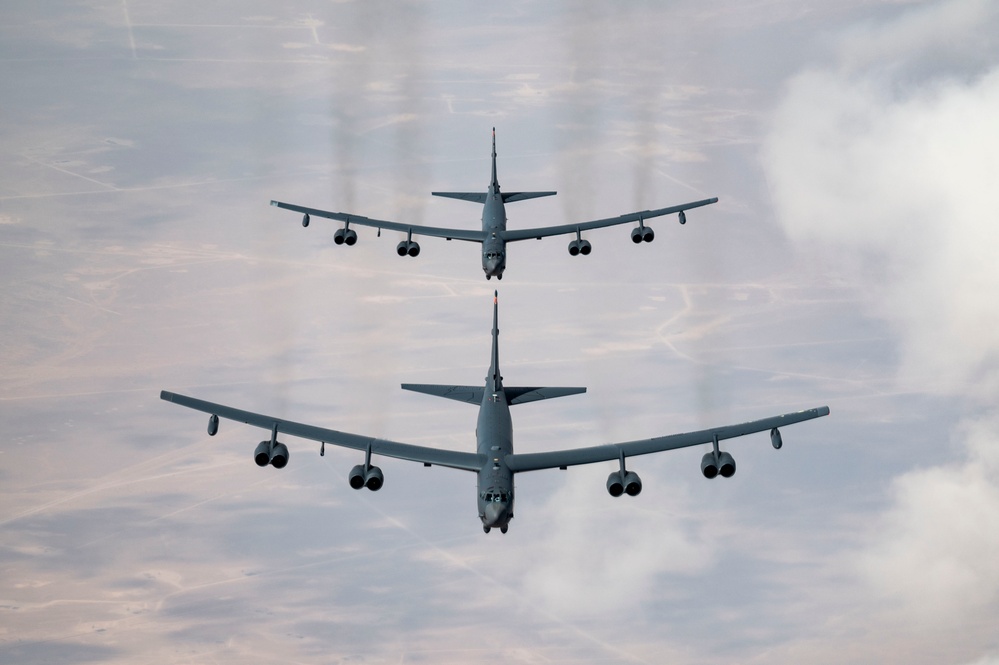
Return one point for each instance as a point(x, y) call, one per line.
point(415, 229)
point(545, 231)
point(612, 451)
point(435, 456)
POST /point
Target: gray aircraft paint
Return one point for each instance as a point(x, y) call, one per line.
point(494, 461)
point(493, 235)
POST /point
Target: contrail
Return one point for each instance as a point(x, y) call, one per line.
point(128, 24)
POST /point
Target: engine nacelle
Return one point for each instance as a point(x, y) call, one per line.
point(407, 247)
point(305, 219)
point(213, 425)
point(574, 248)
point(585, 247)
point(683, 217)
point(279, 456)
point(708, 466)
point(632, 484)
point(615, 484)
point(775, 439)
point(726, 465)
point(648, 235)
point(636, 235)
point(374, 479)
point(262, 455)
point(340, 236)
point(350, 237)
point(356, 477)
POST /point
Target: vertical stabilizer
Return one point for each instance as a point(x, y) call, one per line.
point(494, 183)
point(495, 379)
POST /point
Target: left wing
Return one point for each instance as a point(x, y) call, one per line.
point(545, 231)
point(415, 229)
point(405, 451)
point(613, 451)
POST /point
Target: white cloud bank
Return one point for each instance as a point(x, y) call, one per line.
point(889, 160)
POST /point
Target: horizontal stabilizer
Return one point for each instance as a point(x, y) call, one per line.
point(473, 394)
point(470, 394)
point(524, 395)
point(474, 197)
point(510, 197)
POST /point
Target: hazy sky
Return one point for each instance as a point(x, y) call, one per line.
point(851, 262)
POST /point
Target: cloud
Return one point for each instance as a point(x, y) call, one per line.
point(885, 162)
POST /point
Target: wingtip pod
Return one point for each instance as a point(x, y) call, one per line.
point(822, 411)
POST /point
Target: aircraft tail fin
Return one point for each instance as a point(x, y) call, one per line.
point(473, 394)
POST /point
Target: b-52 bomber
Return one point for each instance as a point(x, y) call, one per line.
point(494, 461)
point(493, 235)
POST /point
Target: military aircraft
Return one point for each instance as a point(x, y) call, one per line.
point(494, 461)
point(494, 235)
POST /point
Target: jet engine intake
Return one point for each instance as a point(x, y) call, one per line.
point(279, 456)
point(709, 467)
point(585, 247)
point(356, 477)
point(726, 465)
point(615, 484)
point(632, 484)
point(340, 236)
point(350, 237)
point(574, 248)
point(374, 479)
point(262, 455)
point(414, 248)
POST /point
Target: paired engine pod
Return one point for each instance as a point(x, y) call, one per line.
point(615, 484)
point(775, 439)
point(632, 484)
point(350, 237)
point(262, 455)
point(409, 248)
point(213, 425)
point(279, 456)
point(374, 479)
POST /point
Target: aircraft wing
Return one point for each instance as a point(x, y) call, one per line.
point(612, 451)
point(441, 457)
point(545, 231)
point(415, 229)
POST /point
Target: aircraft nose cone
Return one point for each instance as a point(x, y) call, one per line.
point(495, 513)
point(491, 266)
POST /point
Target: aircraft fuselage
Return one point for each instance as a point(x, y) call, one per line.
point(493, 224)
point(494, 438)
